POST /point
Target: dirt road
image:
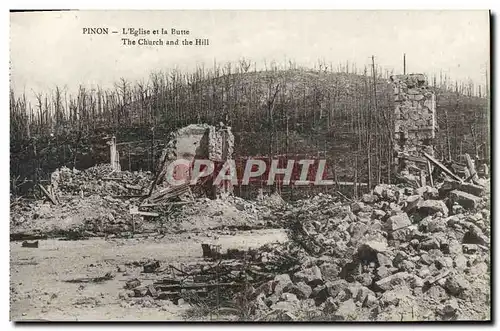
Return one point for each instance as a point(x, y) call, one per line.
point(40, 291)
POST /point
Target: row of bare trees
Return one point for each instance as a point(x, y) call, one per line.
point(185, 96)
point(342, 112)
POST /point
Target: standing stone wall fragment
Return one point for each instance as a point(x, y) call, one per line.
point(415, 118)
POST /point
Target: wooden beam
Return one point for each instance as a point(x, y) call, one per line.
point(472, 168)
point(136, 211)
point(133, 187)
point(442, 167)
point(413, 158)
point(429, 170)
point(470, 177)
point(169, 192)
point(195, 286)
point(166, 203)
point(130, 196)
point(351, 184)
point(47, 194)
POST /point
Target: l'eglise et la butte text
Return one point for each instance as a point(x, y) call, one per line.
point(141, 31)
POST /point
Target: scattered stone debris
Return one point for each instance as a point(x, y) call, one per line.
point(420, 252)
point(151, 267)
point(30, 244)
point(99, 279)
point(402, 251)
point(102, 202)
point(132, 283)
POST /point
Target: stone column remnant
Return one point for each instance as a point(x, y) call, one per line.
point(114, 155)
point(415, 116)
point(221, 149)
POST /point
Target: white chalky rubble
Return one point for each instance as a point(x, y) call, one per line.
point(412, 259)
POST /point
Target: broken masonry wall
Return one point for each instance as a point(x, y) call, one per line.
point(192, 141)
point(415, 114)
point(221, 143)
point(199, 141)
point(187, 143)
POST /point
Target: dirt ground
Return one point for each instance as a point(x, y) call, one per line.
point(39, 289)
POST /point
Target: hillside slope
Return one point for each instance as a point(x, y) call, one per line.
point(343, 117)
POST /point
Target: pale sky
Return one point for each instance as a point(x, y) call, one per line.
point(49, 48)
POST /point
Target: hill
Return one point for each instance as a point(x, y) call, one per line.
point(343, 117)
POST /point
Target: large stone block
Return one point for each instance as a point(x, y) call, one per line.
point(397, 221)
point(465, 199)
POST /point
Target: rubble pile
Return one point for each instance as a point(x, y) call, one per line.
point(101, 202)
point(398, 253)
point(222, 280)
point(73, 218)
point(92, 202)
point(232, 212)
point(101, 180)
